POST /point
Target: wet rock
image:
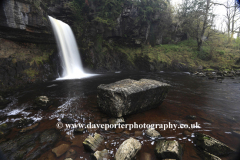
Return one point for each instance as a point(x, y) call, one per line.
point(229, 75)
point(220, 77)
point(168, 150)
point(201, 74)
point(79, 130)
point(220, 73)
point(92, 143)
point(38, 152)
point(211, 145)
point(42, 102)
point(68, 120)
point(104, 120)
point(29, 128)
point(152, 133)
point(24, 122)
point(237, 133)
point(10, 148)
point(116, 120)
point(60, 150)
point(4, 129)
point(4, 102)
point(191, 117)
point(100, 155)
point(130, 96)
point(211, 77)
point(187, 133)
point(71, 153)
point(49, 136)
point(128, 149)
point(208, 156)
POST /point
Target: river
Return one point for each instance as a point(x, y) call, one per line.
point(215, 105)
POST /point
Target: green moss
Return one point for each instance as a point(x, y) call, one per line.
point(31, 72)
point(206, 138)
point(208, 70)
point(2, 126)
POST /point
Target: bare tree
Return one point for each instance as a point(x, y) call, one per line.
point(231, 17)
point(195, 17)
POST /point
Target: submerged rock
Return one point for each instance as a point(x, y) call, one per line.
point(191, 117)
point(29, 128)
point(116, 120)
point(128, 149)
point(92, 143)
point(168, 150)
point(71, 153)
point(237, 133)
point(212, 145)
point(24, 122)
point(68, 120)
point(49, 136)
point(100, 155)
point(130, 96)
point(60, 150)
point(4, 102)
point(152, 133)
point(208, 156)
point(17, 148)
point(42, 102)
point(79, 130)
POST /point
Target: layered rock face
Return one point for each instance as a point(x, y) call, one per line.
point(130, 96)
point(27, 21)
point(24, 21)
point(27, 45)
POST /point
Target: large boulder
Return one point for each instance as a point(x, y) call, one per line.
point(130, 96)
point(211, 145)
point(168, 150)
point(128, 149)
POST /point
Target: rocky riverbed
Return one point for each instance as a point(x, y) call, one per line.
point(29, 132)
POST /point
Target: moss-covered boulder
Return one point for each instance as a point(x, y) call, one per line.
point(168, 150)
point(211, 145)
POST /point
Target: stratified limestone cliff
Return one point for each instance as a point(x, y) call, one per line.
point(26, 20)
point(26, 35)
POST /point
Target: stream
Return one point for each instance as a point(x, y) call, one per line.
point(215, 105)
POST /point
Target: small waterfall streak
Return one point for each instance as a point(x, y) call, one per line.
point(67, 46)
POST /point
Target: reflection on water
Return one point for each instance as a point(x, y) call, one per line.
point(215, 105)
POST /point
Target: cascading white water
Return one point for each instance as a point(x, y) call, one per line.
point(67, 46)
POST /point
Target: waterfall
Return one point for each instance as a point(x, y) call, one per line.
point(68, 49)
